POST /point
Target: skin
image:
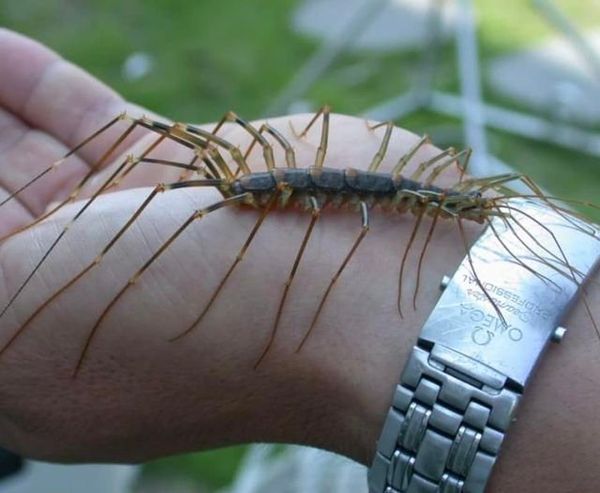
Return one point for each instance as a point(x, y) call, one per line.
point(139, 396)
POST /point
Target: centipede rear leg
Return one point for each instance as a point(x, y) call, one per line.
point(196, 215)
point(125, 167)
point(122, 170)
point(257, 136)
point(93, 168)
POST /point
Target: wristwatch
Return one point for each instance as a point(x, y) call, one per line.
point(477, 350)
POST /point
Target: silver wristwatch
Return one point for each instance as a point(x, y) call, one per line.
point(465, 376)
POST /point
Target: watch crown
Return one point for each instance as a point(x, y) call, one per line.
point(444, 282)
point(558, 334)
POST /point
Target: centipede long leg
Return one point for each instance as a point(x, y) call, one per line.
point(380, 154)
point(365, 228)
point(93, 169)
point(290, 155)
point(126, 166)
point(430, 162)
point(230, 116)
point(315, 216)
point(434, 221)
point(60, 161)
point(198, 214)
point(464, 155)
point(157, 190)
point(405, 159)
point(411, 240)
point(322, 149)
point(187, 131)
point(237, 260)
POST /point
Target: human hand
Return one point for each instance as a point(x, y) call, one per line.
point(137, 395)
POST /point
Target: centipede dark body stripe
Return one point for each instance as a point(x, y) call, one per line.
point(335, 187)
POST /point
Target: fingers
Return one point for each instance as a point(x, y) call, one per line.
point(24, 153)
point(56, 96)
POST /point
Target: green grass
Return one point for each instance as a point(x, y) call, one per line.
point(215, 55)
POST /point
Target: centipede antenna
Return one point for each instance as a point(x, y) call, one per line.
point(540, 276)
point(380, 154)
point(563, 260)
point(435, 218)
point(565, 215)
point(574, 272)
point(537, 242)
point(411, 240)
point(322, 149)
point(198, 214)
point(437, 170)
point(62, 159)
point(476, 277)
point(316, 212)
point(528, 182)
point(365, 228)
point(237, 260)
point(582, 224)
point(550, 197)
point(405, 159)
point(589, 312)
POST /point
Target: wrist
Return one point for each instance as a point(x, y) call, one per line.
point(363, 350)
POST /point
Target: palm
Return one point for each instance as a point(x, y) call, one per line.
point(47, 106)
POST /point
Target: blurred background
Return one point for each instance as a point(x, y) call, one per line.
point(518, 80)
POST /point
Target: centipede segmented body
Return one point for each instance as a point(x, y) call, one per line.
point(313, 188)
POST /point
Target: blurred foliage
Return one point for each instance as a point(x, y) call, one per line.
point(209, 470)
point(215, 55)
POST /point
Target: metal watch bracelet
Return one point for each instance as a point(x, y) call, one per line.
point(465, 376)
